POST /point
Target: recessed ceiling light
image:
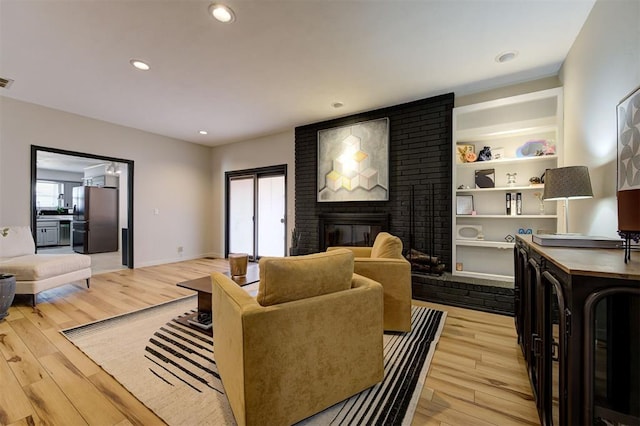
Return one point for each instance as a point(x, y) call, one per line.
point(337, 104)
point(507, 56)
point(141, 65)
point(203, 132)
point(222, 13)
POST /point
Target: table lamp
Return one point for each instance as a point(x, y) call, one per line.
point(566, 183)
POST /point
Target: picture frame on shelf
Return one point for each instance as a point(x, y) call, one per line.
point(486, 178)
point(462, 149)
point(498, 153)
point(464, 204)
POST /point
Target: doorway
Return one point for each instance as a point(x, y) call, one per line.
point(256, 212)
point(67, 161)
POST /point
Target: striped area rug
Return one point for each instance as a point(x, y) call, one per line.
point(171, 368)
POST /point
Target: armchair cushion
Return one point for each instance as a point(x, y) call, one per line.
point(387, 246)
point(287, 279)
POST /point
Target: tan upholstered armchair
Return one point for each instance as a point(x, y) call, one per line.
point(384, 263)
point(311, 338)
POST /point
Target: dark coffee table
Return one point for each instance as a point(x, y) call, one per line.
point(201, 320)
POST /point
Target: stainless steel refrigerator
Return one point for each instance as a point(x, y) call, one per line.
point(95, 219)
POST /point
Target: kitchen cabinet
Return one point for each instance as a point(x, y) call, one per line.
point(524, 134)
point(47, 234)
point(103, 180)
point(578, 325)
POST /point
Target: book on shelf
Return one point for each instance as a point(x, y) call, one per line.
point(576, 240)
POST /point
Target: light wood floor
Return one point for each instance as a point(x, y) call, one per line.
point(477, 376)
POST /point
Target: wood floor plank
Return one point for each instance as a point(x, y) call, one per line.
point(524, 412)
point(32, 337)
point(135, 411)
point(30, 420)
point(494, 414)
point(23, 364)
point(51, 405)
point(92, 405)
point(450, 388)
point(427, 411)
point(487, 385)
point(14, 405)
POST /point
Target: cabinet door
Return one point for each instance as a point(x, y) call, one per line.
point(40, 237)
point(520, 301)
point(51, 236)
point(533, 338)
point(554, 355)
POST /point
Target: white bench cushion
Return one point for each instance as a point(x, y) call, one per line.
point(36, 267)
point(18, 242)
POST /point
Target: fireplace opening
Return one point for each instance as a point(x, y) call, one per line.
point(349, 229)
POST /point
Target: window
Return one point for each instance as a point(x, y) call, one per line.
point(47, 194)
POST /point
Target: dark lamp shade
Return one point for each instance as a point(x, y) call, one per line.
point(567, 182)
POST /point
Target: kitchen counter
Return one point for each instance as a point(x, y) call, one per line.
point(52, 218)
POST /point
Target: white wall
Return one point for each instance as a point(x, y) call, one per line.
point(261, 152)
point(170, 175)
point(602, 67)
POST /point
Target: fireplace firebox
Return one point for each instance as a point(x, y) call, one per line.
point(350, 229)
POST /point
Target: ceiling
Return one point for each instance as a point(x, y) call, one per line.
point(68, 163)
point(281, 64)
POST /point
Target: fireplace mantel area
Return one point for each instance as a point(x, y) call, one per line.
point(418, 209)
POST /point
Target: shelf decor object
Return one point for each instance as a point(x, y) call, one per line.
point(353, 162)
point(628, 115)
point(566, 183)
point(486, 178)
point(464, 204)
point(469, 232)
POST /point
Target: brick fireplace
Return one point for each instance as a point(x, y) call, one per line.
point(419, 162)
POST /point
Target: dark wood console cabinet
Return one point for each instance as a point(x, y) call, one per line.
point(577, 315)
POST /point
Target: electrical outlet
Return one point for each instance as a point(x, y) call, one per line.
point(156, 211)
point(180, 249)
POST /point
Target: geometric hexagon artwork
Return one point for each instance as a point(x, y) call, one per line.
point(629, 143)
point(353, 162)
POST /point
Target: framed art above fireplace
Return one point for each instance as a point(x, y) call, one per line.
point(353, 162)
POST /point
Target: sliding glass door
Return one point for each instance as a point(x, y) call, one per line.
point(241, 207)
point(271, 223)
point(256, 208)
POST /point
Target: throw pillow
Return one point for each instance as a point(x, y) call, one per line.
point(285, 279)
point(387, 246)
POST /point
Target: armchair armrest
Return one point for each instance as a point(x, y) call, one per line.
point(357, 251)
point(395, 277)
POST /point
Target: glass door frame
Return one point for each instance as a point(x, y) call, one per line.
point(277, 170)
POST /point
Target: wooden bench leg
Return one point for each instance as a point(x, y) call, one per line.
point(33, 300)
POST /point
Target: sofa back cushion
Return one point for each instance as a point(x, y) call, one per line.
point(387, 246)
point(285, 279)
point(18, 242)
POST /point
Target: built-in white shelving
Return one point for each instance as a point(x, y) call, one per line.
point(504, 125)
